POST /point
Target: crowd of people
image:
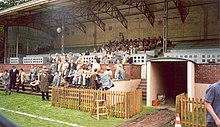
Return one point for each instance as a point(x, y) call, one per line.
point(69, 70)
point(65, 70)
point(16, 78)
point(13, 80)
point(130, 46)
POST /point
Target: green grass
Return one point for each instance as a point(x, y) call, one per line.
point(33, 105)
point(199, 117)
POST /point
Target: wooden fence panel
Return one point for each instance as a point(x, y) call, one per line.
point(192, 111)
point(119, 104)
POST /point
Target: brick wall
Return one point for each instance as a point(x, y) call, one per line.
point(26, 67)
point(207, 73)
point(204, 73)
point(131, 71)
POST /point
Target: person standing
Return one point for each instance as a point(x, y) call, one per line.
point(5, 81)
point(212, 102)
point(79, 61)
point(120, 73)
point(108, 72)
point(93, 79)
point(105, 59)
point(56, 79)
point(72, 64)
point(13, 74)
point(33, 73)
point(21, 79)
point(130, 59)
point(50, 59)
point(116, 68)
point(124, 59)
point(95, 65)
point(44, 84)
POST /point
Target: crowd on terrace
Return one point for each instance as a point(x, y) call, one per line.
point(69, 70)
point(130, 46)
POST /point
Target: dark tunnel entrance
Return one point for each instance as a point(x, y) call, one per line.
point(169, 78)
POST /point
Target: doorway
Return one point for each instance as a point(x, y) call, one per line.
point(169, 78)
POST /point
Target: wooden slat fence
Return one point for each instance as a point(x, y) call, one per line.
point(192, 111)
point(119, 104)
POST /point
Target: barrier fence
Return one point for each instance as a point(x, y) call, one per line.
point(119, 104)
point(192, 111)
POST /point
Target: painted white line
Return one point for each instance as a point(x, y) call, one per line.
point(43, 118)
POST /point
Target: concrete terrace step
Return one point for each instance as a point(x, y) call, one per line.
point(143, 86)
point(143, 80)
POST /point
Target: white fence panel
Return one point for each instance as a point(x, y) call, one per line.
point(35, 60)
point(15, 60)
point(203, 56)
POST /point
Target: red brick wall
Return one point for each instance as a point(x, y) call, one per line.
point(26, 67)
point(131, 71)
point(207, 73)
point(204, 73)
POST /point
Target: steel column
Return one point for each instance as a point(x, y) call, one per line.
point(165, 26)
point(95, 35)
point(17, 40)
point(5, 42)
point(62, 34)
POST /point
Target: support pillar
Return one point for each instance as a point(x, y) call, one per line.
point(5, 43)
point(27, 52)
point(165, 26)
point(17, 40)
point(191, 79)
point(62, 34)
point(95, 34)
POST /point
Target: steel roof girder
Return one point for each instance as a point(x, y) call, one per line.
point(90, 15)
point(72, 20)
point(141, 5)
point(114, 12)
point(183, 11)
point(110, 9)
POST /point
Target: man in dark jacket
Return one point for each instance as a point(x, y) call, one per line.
point(44, 84)
point(13, 75)
point(130, 59)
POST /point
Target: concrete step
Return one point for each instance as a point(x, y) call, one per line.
point(143, 80)
point(143, 86)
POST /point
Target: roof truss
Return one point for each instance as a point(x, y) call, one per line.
point(109, 8)
point(141, 5)
point(183, 11)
